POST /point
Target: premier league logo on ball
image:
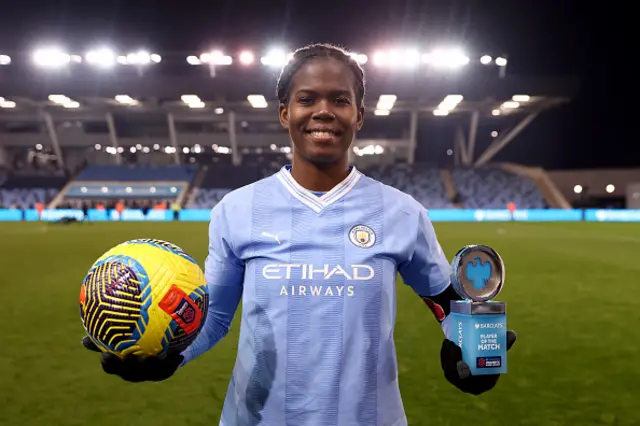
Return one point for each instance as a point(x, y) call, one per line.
point(480, 329)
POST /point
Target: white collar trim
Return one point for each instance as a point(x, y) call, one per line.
point(311, 200)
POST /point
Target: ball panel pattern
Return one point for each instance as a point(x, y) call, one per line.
point(165, 245)
point(116, 296)
point(144, 297)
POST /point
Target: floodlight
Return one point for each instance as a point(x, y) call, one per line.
point(190, 99)
point(386, 102)
point(126, 99)
point(246, 57)
point(216, 57)
point(102, 57)
point(275, 58)
point(446, 58)
point(510, 105)
point(51, 58)
point(193, 60)
point(257, 101)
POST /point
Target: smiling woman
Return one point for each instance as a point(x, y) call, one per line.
point(313, 252)
point(321, 92)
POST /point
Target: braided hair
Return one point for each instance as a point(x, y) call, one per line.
point(316, 51)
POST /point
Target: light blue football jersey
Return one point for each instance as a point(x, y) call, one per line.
point(317, 280)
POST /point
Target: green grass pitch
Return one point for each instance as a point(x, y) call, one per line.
point(573, 294)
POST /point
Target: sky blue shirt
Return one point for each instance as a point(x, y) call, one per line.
point(317, 280)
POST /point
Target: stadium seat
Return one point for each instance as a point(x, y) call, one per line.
point(494, 188)
point(207, 198)
point(26, 198)
point(25, 190)
point(34, 181)
point(228, 176)
point(423, 183)
point(221, 178)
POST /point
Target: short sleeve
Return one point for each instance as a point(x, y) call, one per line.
point(426, 270)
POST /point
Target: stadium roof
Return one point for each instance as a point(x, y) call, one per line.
point(419, 80)
point(155, 94)
point(188, 93)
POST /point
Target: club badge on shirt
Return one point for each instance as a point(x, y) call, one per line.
point(362, 236)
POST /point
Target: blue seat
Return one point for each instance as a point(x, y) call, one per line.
point(422, 183)
point(26, 198)
point(494, 188)
point(207, 198)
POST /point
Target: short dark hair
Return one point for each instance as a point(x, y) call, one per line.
point(315, 51)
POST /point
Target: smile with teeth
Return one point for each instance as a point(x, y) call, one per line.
point(322, 133)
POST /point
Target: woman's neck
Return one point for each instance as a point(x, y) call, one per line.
point(319, 177)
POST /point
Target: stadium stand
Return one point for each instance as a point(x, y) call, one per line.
point(553, 197)
point(203, 187)
point(206, 198)
point(150, 184)
point(26, 198)
point(230, 176)
point(219, 180)
point(493, 187)
point(271, 167)
point(138, 173)
point(489, 187)
point(24, 191)
point(423, 183)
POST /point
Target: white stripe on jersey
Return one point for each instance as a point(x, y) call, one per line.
point(314, 205)
point(305, 196)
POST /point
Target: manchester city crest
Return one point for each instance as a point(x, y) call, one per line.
point(362, 236)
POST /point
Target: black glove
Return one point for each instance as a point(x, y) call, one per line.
point(457, 372)
point(135, 369)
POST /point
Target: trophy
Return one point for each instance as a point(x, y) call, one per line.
point(478, 324)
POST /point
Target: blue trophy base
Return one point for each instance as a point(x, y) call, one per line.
point(480, 330)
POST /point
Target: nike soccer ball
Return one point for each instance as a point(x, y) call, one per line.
point(144, 297)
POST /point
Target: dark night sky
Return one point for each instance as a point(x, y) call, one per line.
point(541, 38)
